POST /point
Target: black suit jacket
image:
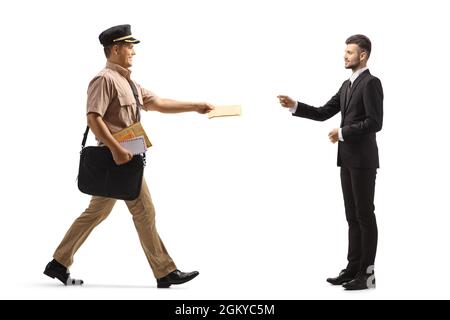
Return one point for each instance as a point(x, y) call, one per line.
point(362, 117)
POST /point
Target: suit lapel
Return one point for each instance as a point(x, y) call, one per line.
point(354, 86)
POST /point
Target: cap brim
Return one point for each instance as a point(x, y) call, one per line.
point(131, 40)
point(128, 39)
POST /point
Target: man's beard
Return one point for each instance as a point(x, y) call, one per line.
point(353, 65)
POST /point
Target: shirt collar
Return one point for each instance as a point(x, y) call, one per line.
point(357, 73)
point(123, 72)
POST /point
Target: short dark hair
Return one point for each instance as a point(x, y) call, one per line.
point(362, 41)
point(107, 50)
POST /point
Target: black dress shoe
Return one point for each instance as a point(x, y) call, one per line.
point(54, 269)
point(362, 281)
point(343, 277)
point(176, 277)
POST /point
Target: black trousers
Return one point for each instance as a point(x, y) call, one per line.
point(358, 188)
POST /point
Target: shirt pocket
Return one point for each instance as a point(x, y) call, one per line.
point(127, 111)
point(127, 101)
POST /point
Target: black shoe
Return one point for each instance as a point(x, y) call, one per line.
point(176, 277)
point(54, 269)
point(343, 277)
point(362, 281)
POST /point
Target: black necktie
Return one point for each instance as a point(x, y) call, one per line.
point(347, 94)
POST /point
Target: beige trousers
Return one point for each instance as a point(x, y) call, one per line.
point(144, 219)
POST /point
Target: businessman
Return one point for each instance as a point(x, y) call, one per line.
point(360, 102)
point(112, 106)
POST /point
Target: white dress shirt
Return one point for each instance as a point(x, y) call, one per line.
point(353, 77)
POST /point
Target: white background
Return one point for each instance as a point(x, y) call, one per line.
point(252, 202)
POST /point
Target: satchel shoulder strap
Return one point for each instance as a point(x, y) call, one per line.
point(136, 97)
point(138, 110)
point(83, 143)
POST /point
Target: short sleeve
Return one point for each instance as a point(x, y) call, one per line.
point(100, 93)
point(147, 97)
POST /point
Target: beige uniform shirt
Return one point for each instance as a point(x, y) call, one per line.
point(110, 96)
